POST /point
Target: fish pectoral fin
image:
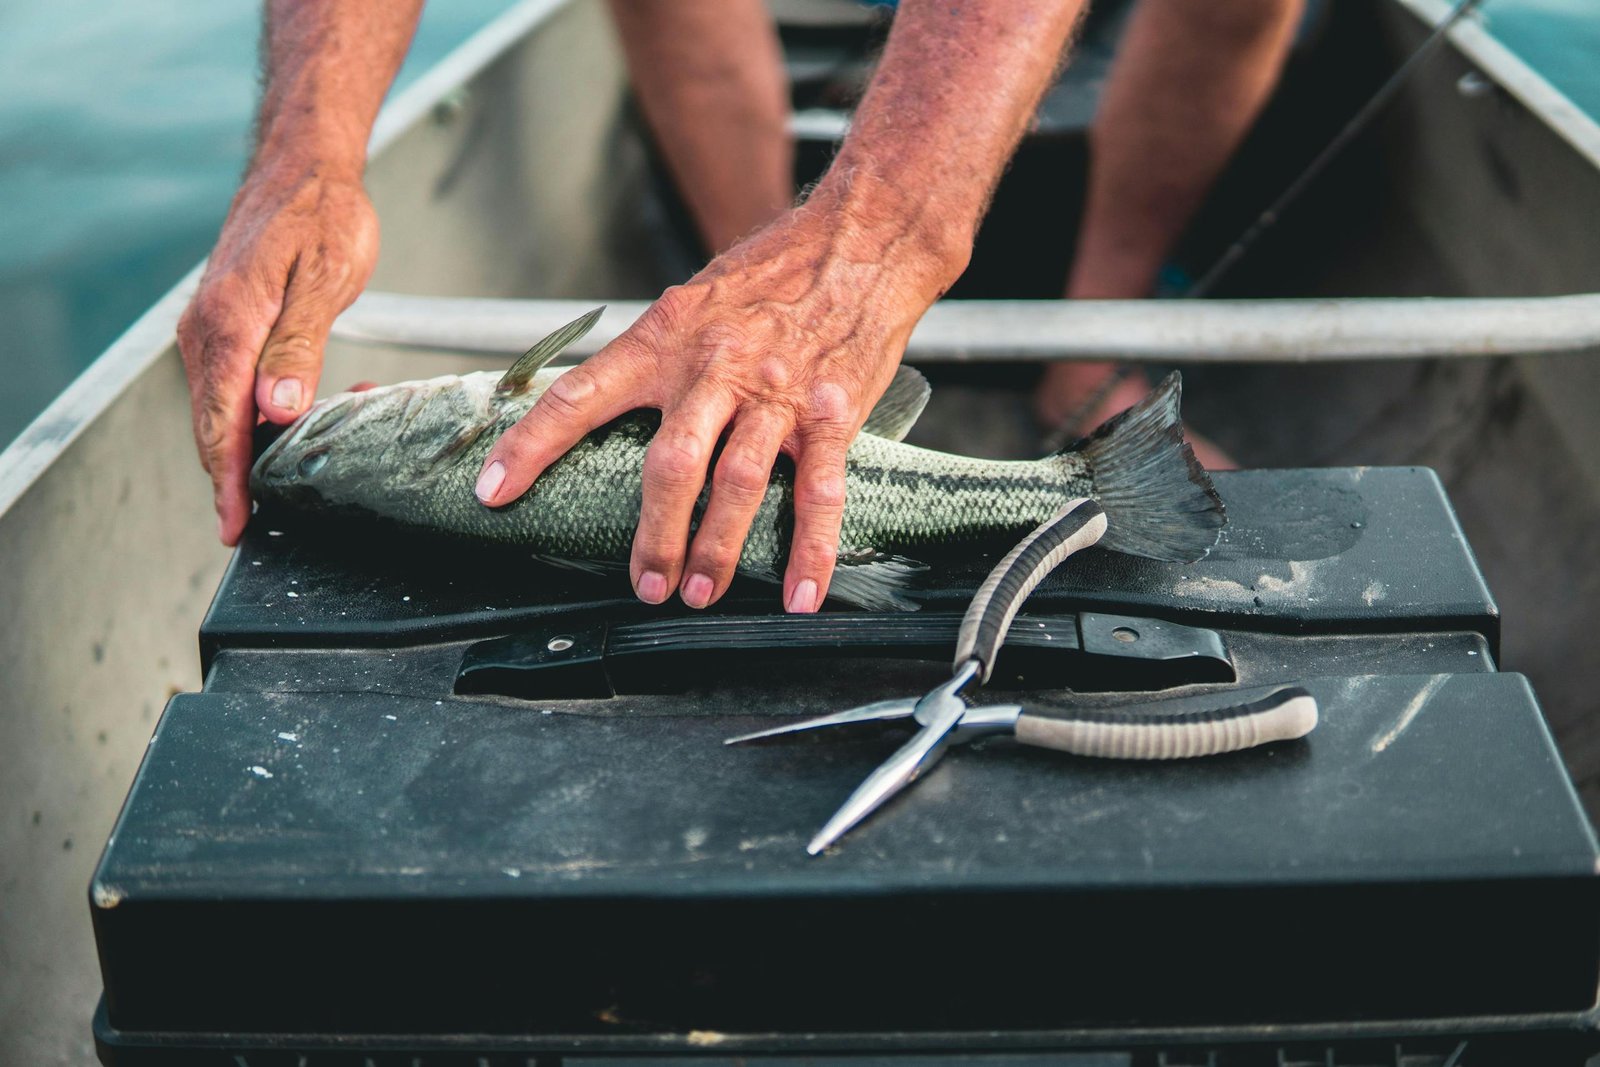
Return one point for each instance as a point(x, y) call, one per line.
point(880, 583)
point(520, 376)
point(457, 446)
point(897, 410)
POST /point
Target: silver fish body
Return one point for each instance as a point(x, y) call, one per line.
point(411, 453)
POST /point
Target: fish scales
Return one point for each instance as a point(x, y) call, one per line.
point(410, 453)
point(379, 452)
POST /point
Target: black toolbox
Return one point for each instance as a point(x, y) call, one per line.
point(440, 804)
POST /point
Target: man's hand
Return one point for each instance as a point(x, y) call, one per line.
point(298, 246)
point(783, 343)
point(301, 237)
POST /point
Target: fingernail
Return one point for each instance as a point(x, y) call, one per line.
point(652, 587)
point(287, 393)
point(222, 531)
point(804, 597)
point(697, 591)
point(489, 481)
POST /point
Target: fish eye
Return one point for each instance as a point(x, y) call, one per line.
point(312, 462)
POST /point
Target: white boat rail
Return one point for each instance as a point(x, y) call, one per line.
point(1164, 331)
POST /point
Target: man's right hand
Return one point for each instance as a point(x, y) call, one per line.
point(298, 246)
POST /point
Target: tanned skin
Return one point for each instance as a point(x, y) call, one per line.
point(1188, 83)
point(782, 343)
point(301, 237)
point(709, 77)
point(785, 341)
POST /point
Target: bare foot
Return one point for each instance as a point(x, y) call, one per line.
point(1211, 457)
point(1067, 387)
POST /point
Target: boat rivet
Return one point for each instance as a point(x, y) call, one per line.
point(1473, 85)
point(1126, 634)
point(559, 644)
point(447, 110)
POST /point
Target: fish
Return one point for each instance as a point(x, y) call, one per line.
point(410, 453)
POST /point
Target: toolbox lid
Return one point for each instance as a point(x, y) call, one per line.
point(458, 864)
point(332, 839)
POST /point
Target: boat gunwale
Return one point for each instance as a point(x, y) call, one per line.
point(153, 334)
point(1476, 43)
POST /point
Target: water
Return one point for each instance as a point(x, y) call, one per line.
point(123, 130)
point(1558, 38)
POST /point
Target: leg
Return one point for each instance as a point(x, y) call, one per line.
point(1189, 82)
point(709, 77)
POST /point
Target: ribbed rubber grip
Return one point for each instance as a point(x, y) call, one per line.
point(1078, 525)
point(1145, 732)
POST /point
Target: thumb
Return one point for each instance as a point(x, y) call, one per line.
point(291, 360)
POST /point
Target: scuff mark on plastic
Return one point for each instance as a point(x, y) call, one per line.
point(1412, 709)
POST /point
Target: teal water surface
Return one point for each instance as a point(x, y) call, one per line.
point(1558, 38)
point(123, 131)
point(124, 126)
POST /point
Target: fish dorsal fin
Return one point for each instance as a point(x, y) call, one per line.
point(520, 376)
point(897, 410)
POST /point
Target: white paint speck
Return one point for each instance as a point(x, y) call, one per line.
point(405, 598)
point(294, 594)
point(286, 736)
point(1300, 574)
point(255, 563)
point(694, 838)
point(260, 772)
point(511, 872)
point(274, 533)
point(1373, 592)
point(391, 718)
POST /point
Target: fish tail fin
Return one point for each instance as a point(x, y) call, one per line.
point(1157, 497)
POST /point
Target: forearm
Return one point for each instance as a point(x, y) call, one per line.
point(328, 64)
point(301, 237)
point(709, 76)
point(956, 88)
point(1188, 84)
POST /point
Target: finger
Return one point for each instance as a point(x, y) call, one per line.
point(219, 341)
point(819, 491)
point(674, 474)
point(291, 360)
point(738, 485)
point(591, 394)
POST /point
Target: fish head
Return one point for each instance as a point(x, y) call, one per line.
point(382, 444)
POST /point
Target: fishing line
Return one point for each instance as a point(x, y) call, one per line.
point(1357, 124)
point(1274, 211)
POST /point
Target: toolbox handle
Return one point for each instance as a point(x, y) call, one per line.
point(594, 657)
